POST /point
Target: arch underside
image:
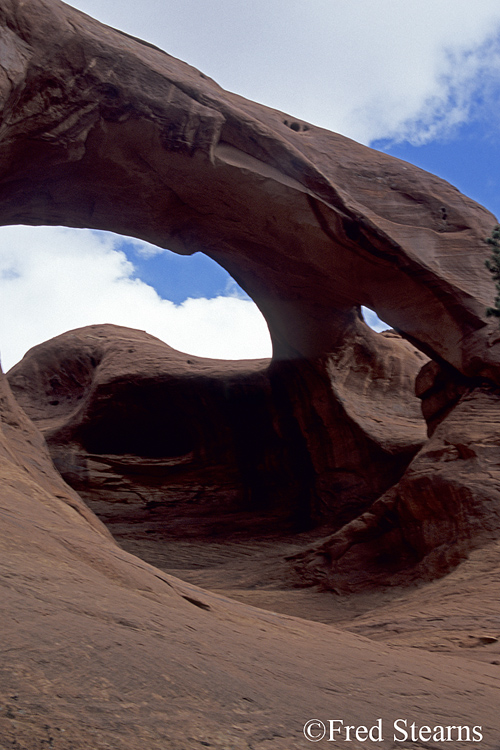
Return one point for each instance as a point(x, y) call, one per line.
point(103, 131)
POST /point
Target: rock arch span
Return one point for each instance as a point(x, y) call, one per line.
point(102, 130)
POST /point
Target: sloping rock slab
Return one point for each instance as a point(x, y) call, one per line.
point(101, 650)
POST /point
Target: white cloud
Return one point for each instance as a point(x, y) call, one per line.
point(145, 249)
point(397, 69)
point(391, 68)
point(55, 279)
point(465, 88)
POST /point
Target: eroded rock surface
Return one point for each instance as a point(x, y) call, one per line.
point(101, 130)
point(102, 650)
point(446, 504)
point(165, 442)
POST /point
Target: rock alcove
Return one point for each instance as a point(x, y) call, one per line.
point(100, 649)
point(101, 130)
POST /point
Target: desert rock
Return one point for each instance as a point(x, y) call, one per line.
point(100, 649)
point(104, 131)
point(167, 439)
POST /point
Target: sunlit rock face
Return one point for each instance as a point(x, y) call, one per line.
point(102, 130)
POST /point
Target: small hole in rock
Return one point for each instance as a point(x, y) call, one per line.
point(371, 319)
point(296, 126)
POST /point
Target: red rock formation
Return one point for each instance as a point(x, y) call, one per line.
point(101, 650)
point(152, 436)
point(446, 504)
point(102, 130)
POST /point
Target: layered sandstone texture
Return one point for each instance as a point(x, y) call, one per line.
point(101, 130)
point(101, 650)
point(163, 442)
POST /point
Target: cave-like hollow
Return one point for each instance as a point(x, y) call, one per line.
point(103, 131)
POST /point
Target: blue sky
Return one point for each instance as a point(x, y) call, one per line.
point(178, 277)
point(469, 159)
point(419, 79)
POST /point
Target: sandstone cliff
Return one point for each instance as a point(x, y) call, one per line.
point(101, 130)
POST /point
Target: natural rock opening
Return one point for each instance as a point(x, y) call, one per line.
point(53, 279)
point(372, 319)
point(311, 225)
point(101, 649)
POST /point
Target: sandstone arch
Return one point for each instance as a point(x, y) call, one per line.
point(105, 131)
point(102, 650)
point(102, 130)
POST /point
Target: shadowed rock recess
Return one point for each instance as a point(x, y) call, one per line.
point(325, 444)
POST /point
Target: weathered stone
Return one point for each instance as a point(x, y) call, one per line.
point(100, 649)
point(440, 387)
point(102, 130)
point(153, 437)
point(446, 504)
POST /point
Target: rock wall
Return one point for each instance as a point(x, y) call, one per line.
point(102, 130)
point(163, 440)
point(102, 650)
